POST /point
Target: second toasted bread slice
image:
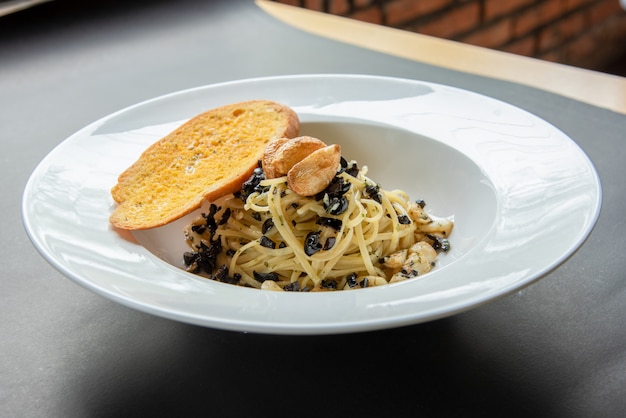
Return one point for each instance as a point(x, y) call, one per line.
point(209, 156)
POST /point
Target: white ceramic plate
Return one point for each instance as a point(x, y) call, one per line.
point(522, 194)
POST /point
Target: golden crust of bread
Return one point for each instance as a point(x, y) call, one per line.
point(207, 157)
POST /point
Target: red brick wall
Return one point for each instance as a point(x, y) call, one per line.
point(583, 33)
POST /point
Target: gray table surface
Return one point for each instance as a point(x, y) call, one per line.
point(556, 348)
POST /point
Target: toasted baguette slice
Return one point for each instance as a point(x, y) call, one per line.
point(209, 156)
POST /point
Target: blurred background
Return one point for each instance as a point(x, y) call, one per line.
point(589, 34)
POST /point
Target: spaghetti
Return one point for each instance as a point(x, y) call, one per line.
point(352, 235)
